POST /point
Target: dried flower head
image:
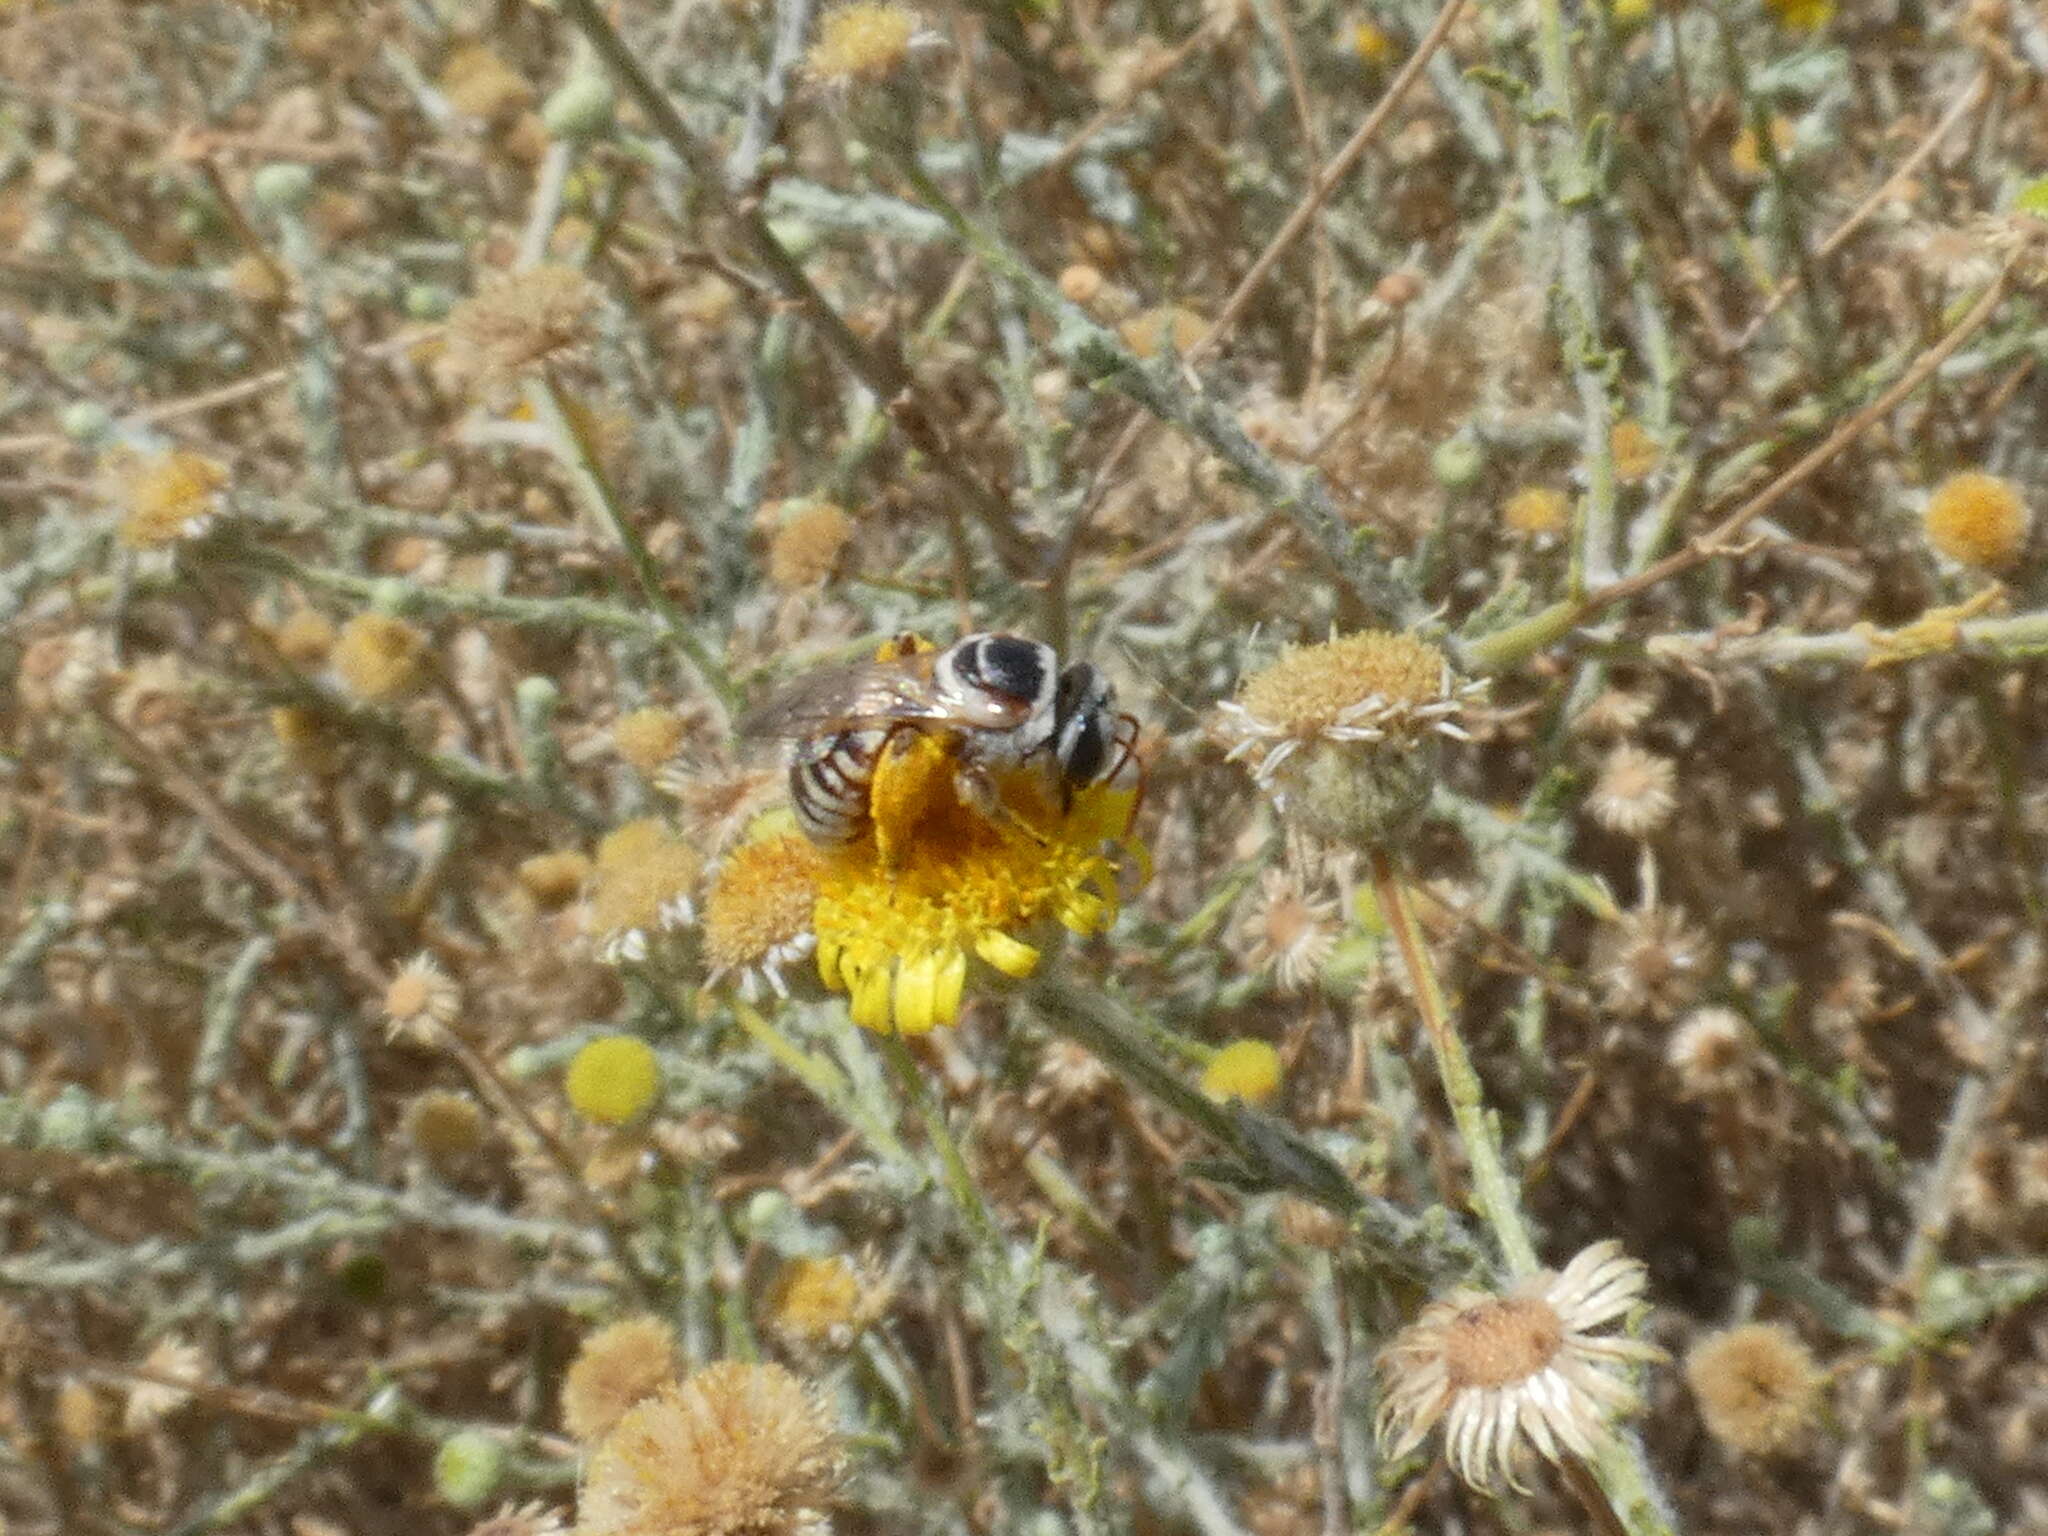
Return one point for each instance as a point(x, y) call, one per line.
point(1509, 1373)
point(1292, 931)
point(516, 320)
point(1636, 792)
point(1366, 41)
point(613, 1080)
point(821, 1301)
point(1152, 331)
point(443, 1127)
point(1634, 451)
point(1614, 712)
point(380, 659)
point(861, 42)
point(479, 84)
point(1711, 1052)
point(80, 1417)
point(308, 743)
point(1536, 510)
point(735, 1450)
point(935, 880)
point(1757, 1386)
point(173, 496)
point(1978, 519)
point(617, 1366)
point(644, 884)
point(757, 913)
point(647, 738)
point(807, 544)
point(171, 1368)
point(421, 999)
point(305, 638)
point(1244, 1069)
point(554, 879)
point(1652, 961)
point(1069, 1074)
point(1335, 731)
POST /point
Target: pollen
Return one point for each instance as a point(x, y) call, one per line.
point(379, 658)
point(1757, 1387)
point(1535, 510)
point(862, 41)
point(1244, 1069)
point(757, 914)
point(619, 1365)
point(172, 497)
point(647, 738)
point(613, 1080)
point(1978, 519)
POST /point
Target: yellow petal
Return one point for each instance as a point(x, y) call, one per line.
point(1084, 913)
point(917, 994)
point(949, 986)
point(1011, 956)
point(829, 952)
point(869, 1000)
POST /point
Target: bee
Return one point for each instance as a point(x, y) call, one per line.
point(999, 701)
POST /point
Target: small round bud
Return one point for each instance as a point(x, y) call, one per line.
point(1977, 519)
point(86, 421)
point(1458, 461)
point(468, 1468)
point(283, 187)
point(1398, 289)
point(613, 1080)
point(581, 108)
point(428, 301)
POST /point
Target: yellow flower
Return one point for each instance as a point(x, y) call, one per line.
point(820, 1301)
point(1244, 1069)
point(865, 40)
point(1801, 15)
point(1635, 452)
point(1978, 519)
point(379, 658)
point(1368, 41)
point(613, 1079)
point(1535, 510)
point(647, 738)
point(899, 912)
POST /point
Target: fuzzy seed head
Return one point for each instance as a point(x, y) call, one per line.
point(1711, 1052)
point(172, 497)
point(645, 884)
point(860, 42)
point(1244, 1069)
point(1978, 519)
point(554, 879)
point(613, 1080)
point(421, 999)
point(379, 658)
point(647, 738)
point(516, 320)
point(1292, 931)
point(735, 1450)
point(1313, 688)
point(807, 546)
point(443, 1127)
point(1757, 1387)
point(1636, 792)
point(619, 1365)
point(305, 639)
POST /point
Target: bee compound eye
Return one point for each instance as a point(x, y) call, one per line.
point(1084, 748)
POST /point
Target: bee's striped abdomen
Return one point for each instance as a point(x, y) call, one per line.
point(828, 783)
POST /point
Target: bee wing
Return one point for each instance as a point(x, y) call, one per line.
point(868, 693)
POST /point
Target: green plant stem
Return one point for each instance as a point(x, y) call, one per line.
point(1619, 1474)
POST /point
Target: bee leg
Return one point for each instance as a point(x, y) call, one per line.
point(978, 791)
